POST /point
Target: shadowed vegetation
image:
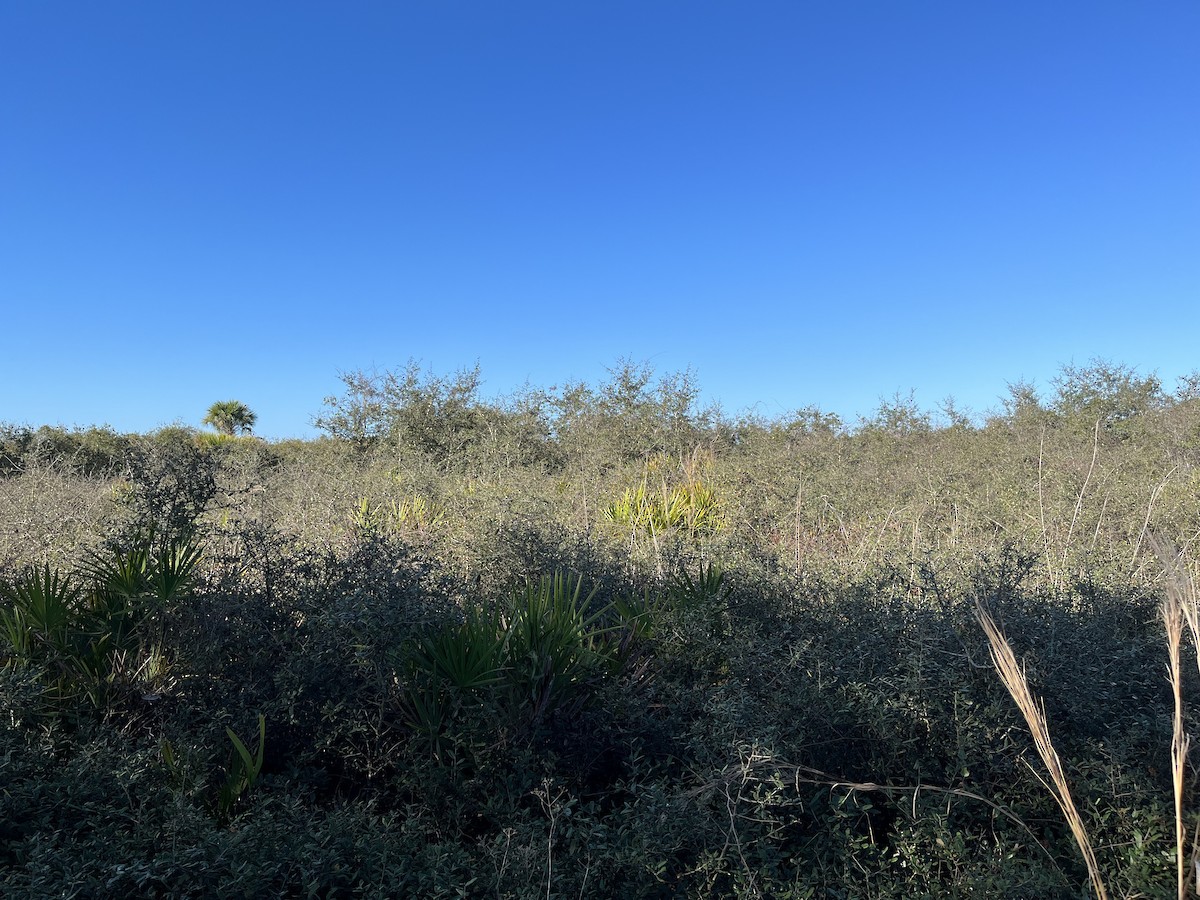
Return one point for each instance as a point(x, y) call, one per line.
point(598, 641)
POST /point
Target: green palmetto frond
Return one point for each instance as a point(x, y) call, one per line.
point(46, 599)
point(468, 657)
point(415, 514)
point(131, 585)
point(687, 592)
point(426, 709)
point(88, 634)
point(702, 510)
point(123, 573)
point(554, 639)
point(163, 568)
point(174, 570)
point(540, 650)
point(633, 509)
point(673, 508)
point(635, 613)
point(42, 609)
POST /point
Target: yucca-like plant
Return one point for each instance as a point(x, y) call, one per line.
point(414, 514)
point(243, 769)
point(692, 506)
point(554, 641)
point(633, 509)
point(700, 508)
point(366, 517)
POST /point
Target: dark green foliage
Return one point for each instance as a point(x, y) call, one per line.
point(171, 481)
point(508, 670)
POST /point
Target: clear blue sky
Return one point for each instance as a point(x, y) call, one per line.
point(807, 202)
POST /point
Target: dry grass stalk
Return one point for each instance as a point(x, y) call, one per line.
point(1182, 584)
point(1172, 613)
point(1179, 606)
point(1013, 675)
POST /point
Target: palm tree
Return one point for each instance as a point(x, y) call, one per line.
point(230, 417)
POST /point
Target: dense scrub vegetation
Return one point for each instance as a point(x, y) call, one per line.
point(594, 641)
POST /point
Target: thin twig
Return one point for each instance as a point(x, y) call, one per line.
point(808, 775)
point(1082, 490)
point(1149, 511)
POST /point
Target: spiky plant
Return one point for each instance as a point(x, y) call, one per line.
point(101, 630)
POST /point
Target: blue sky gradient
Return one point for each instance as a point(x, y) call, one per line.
point(807, 203)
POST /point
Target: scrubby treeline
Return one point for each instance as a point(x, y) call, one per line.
point(597, 641)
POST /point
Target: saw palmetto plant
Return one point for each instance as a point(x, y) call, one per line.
point(99, 631)
point(539, 651)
